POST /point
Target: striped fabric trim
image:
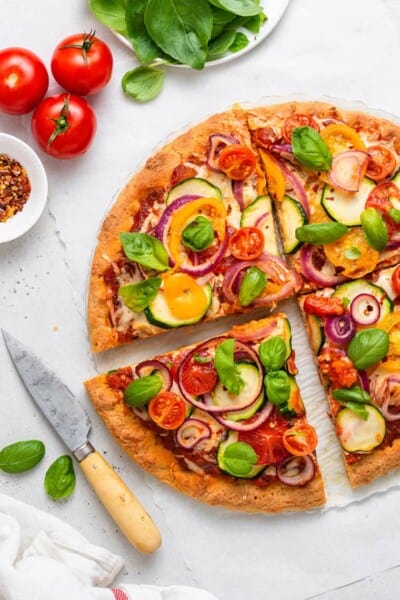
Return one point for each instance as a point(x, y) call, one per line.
point(119, 594)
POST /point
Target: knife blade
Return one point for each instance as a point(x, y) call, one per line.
point(72, 423)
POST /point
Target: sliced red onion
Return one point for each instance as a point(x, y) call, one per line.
point(365, 309)
point(237, 188)
point(348, 170)
point(208, 265)
point(278, 272)
point(147, 366)
point(394, 241)
point(340, 328)
point(385, 392)
point(298, 188)
point(231, 277)
point(283, 150)
point(296, 471)
point(218, 142)
point(248, 425)
point(324, 276)
point(260, 219)
point(162, 227)
point(257, 334)
point(191, 432)
point(364, 381)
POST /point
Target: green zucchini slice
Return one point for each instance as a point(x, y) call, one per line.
point(346, 207)
point(359, 435)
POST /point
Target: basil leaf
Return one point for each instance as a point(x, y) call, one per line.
point(227, 370)
point(310, 149)
point(241, 41)
point(145, 48)
point(368, 347)
point(254, 24)
point(239, 458)
point(321, 233)
point(353, 394)
point(146, 250)
point(137, 296)
point(357, 408)
point(140, 391)
point(277, 387)
point(143, 83)
point(181, 29)
point(221, 18)
point(21, 456)
point(198, 235)
point(221, 44)
point(111, 13)
point(59, 481)
point(273, 353)
point(253, 283)
point(394, 213)
point(202, 360)
point(374, 228)
point(244, 8)
point(352, 253)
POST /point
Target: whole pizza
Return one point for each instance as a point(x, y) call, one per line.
point(248, 208)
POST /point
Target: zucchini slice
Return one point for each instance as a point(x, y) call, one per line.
point(259, 214)
point(346, 207)
point(348, 291)
point(294, 405)
point(396, 178)
point(194, 186)
point(316, 332)
point(292, 216)
point(252, 382)
point(158, 313)
point(359, 435)
point(233, 439)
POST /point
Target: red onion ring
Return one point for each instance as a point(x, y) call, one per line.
point(218, 141)
point(364, 381)
point(230, 279)
point(191, 432)
point(237, 188)
point(258, 419)
point(394, 241)
point(208, 265)
point(343, 166)
point(258, 334)
point(162, 227)
point(298, 187)
point(326, 276)
point(145, 367)
point(278, 272)
point(365, 309)
point(283, 150)
point(340, 329)
point(296, 471)
point(260, 219)
point(386, 393)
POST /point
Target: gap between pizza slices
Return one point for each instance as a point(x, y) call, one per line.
point(199, 242)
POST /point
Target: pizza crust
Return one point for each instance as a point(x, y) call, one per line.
point(380, 462)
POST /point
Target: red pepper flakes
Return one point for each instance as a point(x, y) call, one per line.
point(15, 187)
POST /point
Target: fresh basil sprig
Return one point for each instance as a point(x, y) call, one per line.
point(277, 387)
point(244, 8)
point(198, 235)
point(253, 283)
point(352, 253)
point(321, 233)
point(239, 458)
point(21, 456)
point(140, 391)
point(272, 353)
point(374, 228)
point(59, 481)
point(137, 296)
point(227, 370)
point(145, 249)
point(368, 347)
point(310, 149)
point(353, 394)
point(394, 213)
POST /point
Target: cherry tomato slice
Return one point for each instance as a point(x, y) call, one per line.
point(294, 121)
point(199, 377)
point(167, 410)
point(340, 137)
point(323, 307)
point(301, 439)
point(381, 164)
point(396, 280)
point(237, 162)
point(266, 440)
point(381, 197)
point(247, 243)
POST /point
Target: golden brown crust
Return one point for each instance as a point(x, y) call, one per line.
point(380, 462)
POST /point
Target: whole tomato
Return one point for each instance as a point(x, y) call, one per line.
point(64, 125)
point(82, 64)
point(23, 80)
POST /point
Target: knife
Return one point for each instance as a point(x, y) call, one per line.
point(72, 424)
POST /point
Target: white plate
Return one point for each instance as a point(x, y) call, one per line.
point(22, 221)
point(274, 9)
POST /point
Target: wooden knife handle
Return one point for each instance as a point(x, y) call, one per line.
point(121, 504)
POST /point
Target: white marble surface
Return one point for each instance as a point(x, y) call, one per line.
point(348, 49)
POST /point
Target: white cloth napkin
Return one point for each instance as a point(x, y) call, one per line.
point(43, 558)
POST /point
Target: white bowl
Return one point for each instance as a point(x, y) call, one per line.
point(22, 221)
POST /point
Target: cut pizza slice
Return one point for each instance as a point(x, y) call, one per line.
point(354, 332)
point(329, 172)
point(222, 421)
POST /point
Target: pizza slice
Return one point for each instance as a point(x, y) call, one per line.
point(334, 176)
point(354, 332)
point(222, 421)
point(190, 238)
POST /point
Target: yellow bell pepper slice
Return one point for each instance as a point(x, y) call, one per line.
point(391, 324)
point(276, 182)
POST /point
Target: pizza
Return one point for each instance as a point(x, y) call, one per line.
point(222, 421)
point(354, 331)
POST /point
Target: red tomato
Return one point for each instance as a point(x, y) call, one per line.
point(247, 243)
point(237, 162)
point(199, 377)
point(168, 410)
point(323, 307)
point(381, 198)
point(294, 121)
point(64, 125)
point(267, 441)
point(82, 64)
point(23, 81)
point(381, 163)
point(301, 439)
point(396, 280)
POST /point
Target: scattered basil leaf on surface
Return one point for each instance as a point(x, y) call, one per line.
point(374, 228)
point(143, 83)
point(145, 48)
point(321, 233)
point(356, 407)
point(352, 253)
point(394, 213)
point(227, 370)
point(244, 8)
point(239, 458)
point(198, 234)
point(253, 283)
point(137, 296)
point(277, 387)
point(111, 13)
point(21, 456)
point(368, 347)
point(353, 394)
point(59, 481)
point(272, 353)
point(310, 149)
point(145, 249)
point(140, 391)
point(241, 41)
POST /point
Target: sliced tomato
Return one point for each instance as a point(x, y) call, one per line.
point(267, 440)
point(247, 243)
point(264, 137)
point(323, 307)
point(199, 377)
point(301, 439)
point(176, 363)
point(237, 162)
point(294, 121)
point(340, 137)
point(167, 410)
point(381, 163)
point(382, 198)
point(185, 297)
point(337, 254)
point(396, 280)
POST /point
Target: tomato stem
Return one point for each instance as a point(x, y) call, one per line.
point(87, 42)
point(61, 123)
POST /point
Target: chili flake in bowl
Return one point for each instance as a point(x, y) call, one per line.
point(23, 187)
